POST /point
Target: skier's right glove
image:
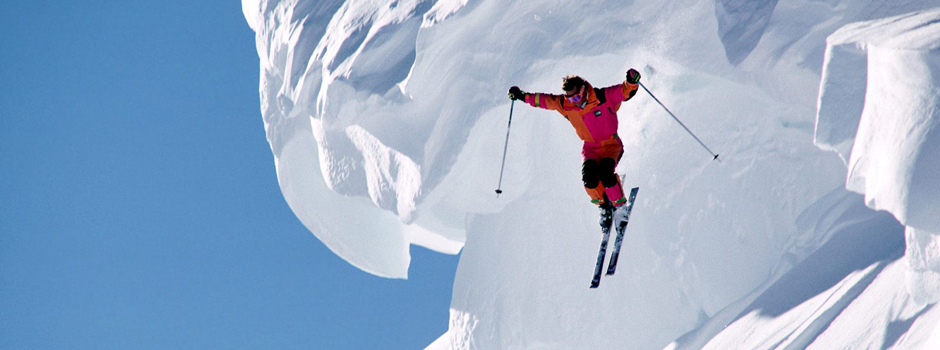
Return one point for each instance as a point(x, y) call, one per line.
point(633, 76)
point(515, 93)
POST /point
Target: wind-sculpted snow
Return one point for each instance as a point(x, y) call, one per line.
point(879, 107)
point(741, 24)
point(355, 152)
point(387, 121)
point(847, 294)
point(878, 110)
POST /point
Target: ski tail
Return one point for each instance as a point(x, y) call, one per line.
point(621, 227)
point(606, 215)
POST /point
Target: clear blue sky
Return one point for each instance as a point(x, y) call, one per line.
point(139, 207)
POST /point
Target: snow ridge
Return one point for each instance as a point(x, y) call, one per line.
point(333, 76)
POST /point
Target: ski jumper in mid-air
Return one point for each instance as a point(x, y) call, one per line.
point(593, 114)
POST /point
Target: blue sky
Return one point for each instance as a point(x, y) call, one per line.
point(139, 206)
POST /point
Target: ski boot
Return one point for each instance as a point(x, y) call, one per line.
point(607, 216)
point(621, 214)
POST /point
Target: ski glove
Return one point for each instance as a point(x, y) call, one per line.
point(633, 76)
point(515, 93)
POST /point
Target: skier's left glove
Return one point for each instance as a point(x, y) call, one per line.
point(515, 93)
point(633, 76)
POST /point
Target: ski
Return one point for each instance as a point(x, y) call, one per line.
point(621, 227)
point(606, 219)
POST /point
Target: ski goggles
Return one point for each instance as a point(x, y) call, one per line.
point(575, 96)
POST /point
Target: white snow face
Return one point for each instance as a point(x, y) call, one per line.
point(371, 106)
point(387, 121)
point(879, 107)
point(355, 151)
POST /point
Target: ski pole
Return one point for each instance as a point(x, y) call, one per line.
point(680, 123)
point(505, 147)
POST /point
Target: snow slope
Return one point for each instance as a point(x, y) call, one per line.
point(847, 295)
point(386, 121)
point(878, 110)
point(894, 157)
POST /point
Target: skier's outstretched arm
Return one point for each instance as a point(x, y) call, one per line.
point(626, 90)
point(540, 100)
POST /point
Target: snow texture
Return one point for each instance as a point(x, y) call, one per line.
point(355, 153)
point(878, 110)
point(387, 121)
point(808, 301)
point(887, 73)
point(741, 24)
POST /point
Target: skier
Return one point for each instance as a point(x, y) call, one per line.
point(593, 114)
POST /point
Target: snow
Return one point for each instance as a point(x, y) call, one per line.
point(387, 121)
point(797, 306)
point(741, 24)
point(344, 154)
point(877, 110)
point(894, 158)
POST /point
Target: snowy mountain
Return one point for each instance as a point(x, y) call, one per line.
point(387, 119)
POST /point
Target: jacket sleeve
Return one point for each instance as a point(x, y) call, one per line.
point(621, 92)
point(544, 101)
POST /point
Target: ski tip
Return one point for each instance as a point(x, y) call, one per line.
point(594, 286)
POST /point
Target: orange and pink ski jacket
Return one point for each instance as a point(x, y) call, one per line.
point(595, 118)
